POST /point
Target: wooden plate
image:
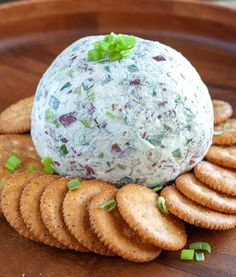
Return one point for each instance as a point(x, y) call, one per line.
point(32, 33)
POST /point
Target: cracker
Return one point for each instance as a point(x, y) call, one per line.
point(222, 111)
point(116, 234)
point(22, 145)
point(225, 133)
point(222, 155)
point(195, 214)
point(11, 194)
point(193, 189)
point(17, 118)
point(76, 215)
point(30, 209)
point(51, 211)
point(138, 206)
point(5, 174)
point(216, 177)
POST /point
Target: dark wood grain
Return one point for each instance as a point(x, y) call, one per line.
point(32, 33)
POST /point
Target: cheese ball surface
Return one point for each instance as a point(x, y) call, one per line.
point(144, 119)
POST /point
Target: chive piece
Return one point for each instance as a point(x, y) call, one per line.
point(13, 162)
point(74, 184)
point(94, 55)
point(200, 246)
point(217, 133)
point(111, 115)
point(177, 154)
point(48, 165)
point(32, 167)
point(200, 257)
point(161, 204)
point(187, 254)
point(158, 187)
point(109, 204)
point(226, 126)
point(101, 155)
point(86, 123)
point(63, 149)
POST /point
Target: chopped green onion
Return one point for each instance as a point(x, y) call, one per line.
point(94, 55)
point(74, 184)
point(101, 155)
point(32, 167)
point(112, 46)
point(161, 203)
point(86, 123)
point(226, 126)
point(13, 162)
point(111, 115)
point(200, 257)
point(187, 254)
point(200, 246)
point(109, 204)
point(48, 165)
point(177, 154)
point(63, 149)
point(158, 187)
point(217, 133)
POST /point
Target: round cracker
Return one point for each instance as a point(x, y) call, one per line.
point(30, 209)
point(227, 135)
point(193, 189)
point(76, 215)
point(222, 111)
point(22, 145)
point(116, 234)
point(216, 177)
point(5, 174)
point(51, 211)
point(17, 118)
point(195, 214)
point(11, 194)
point(138, 206)
point(222, 155)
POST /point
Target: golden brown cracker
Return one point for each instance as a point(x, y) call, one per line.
point(222, 111)
point(216, 177)
point(5, 174)
point(17, 118)
point(195, 214)
point(193, 189)
point(51, 211)
point(225, 133)
point(76, 215)
point(222, 155)
point(116, 234)
point(10, 199)
point(138, 206)
point(30, 209)
point(22, 145)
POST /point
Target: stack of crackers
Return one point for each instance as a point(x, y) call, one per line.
point(94, 216)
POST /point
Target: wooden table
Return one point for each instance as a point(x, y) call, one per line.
point(32, 33)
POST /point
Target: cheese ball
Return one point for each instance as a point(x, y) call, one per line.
point(144, 119)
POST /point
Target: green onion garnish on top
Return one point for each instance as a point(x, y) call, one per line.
point(187, 254)
point(115, 47)
point(48, 165)
point(158, 187)
point(200, 246)
point(13, 162)
point(74, 184)
point(161, 203)
point(109, 204)
point(200, 257)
